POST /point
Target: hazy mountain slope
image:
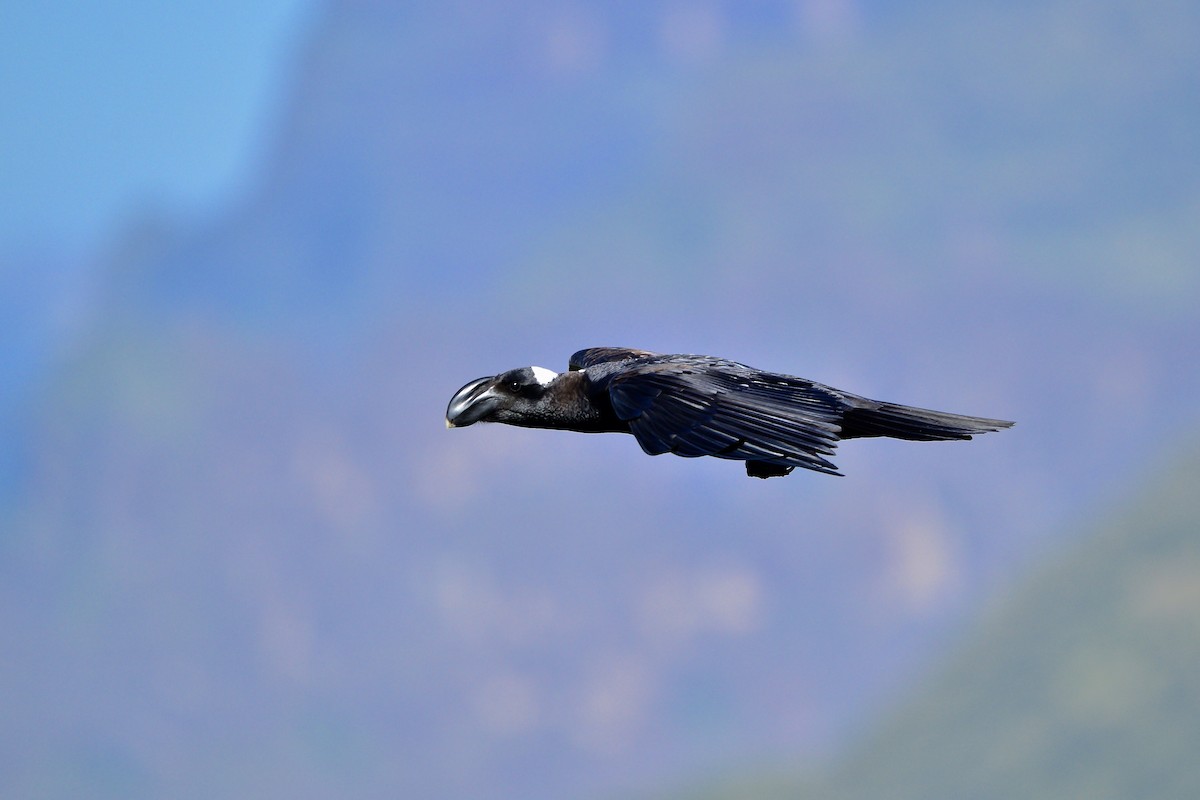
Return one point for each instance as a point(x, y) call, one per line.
point(1083, 684)
point(242, 556)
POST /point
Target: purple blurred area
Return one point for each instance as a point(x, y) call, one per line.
point(241, 556)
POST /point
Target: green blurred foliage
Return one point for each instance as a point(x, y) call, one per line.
point(1083, 683)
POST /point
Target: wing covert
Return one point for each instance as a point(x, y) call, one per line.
point(592, 356)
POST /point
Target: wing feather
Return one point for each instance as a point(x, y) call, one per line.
point(592, 356)
point(728, 413)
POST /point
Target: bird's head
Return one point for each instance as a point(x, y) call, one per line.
point(516, 397)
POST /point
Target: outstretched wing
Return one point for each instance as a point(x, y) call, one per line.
point(743, 415)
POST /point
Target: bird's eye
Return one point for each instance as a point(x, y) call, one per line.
point(514, 385)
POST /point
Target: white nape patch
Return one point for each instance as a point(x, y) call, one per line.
point(543, 375)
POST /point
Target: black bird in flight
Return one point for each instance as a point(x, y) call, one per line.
point(694, 405)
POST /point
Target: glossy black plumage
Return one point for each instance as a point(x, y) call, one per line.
point(693, 405)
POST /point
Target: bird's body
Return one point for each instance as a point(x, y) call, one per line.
point(693, 405)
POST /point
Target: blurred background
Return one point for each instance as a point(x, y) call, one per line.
point(249, 250)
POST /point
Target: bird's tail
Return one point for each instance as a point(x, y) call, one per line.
point(873, 418)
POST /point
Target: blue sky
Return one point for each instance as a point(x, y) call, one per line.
point(112, 107)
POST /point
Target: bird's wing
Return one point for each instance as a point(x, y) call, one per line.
point(738, 415)
point(600, 355)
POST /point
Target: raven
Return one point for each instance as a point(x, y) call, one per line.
point(693, 405)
